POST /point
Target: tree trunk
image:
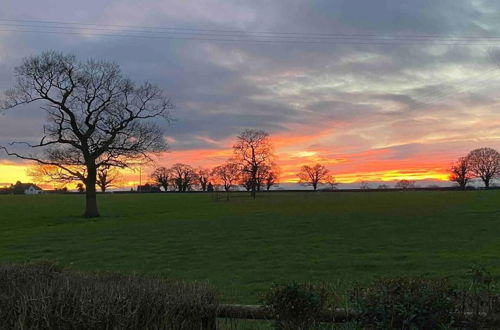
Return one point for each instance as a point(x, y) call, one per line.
point(486, 182)
point(315, 186)
point(91, 210)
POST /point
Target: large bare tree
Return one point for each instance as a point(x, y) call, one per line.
point(313, 175)
point(253, 150)
point(460, 172)
point(485, 164)
point(96, 117)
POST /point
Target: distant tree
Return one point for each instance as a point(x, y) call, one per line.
point(272, 176)
point(485, 164)
point(253, 150)
point(364, 185)
point(332, 182)
point(383, 186)
point(202, 177)
point(266, 177)
point(245, 180)
point(96, 117)
point(183, 176)
point(210, 187)
point(80, 187)
point(405, 184)
point(162, 176)
point(313, 175)
point(226, 175)
point(106, 178)
point(17, 188)
point(461, 172)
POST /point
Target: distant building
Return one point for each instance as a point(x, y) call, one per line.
point(25, 189)
point(33, 190)
point(148, 188)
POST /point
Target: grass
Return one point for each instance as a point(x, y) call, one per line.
point(242, 246)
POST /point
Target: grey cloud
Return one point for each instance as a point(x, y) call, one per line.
point(217, 93)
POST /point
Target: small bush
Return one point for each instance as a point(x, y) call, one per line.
point(406, 303)
point(45, 296)
point(297, 306)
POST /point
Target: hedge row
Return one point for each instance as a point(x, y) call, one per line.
point(45, 296)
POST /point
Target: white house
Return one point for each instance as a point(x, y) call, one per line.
point(31, 189)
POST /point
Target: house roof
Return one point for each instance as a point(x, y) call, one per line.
point(25, 186)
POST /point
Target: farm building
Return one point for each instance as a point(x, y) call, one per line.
point(26, 189)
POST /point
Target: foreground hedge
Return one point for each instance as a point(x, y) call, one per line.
point(45, 296)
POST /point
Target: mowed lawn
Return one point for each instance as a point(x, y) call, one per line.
point(242, 246)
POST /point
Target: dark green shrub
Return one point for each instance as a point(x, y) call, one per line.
point(44, 296)
point(406, 303)
point(297, 306)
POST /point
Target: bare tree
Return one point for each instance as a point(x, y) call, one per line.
point(106, 177)
point(485, 164)
point(183, 176)
point(80, 187)
point(313, 175)
point(96, 117)
point(162, 176)
point(364, 185)
point(272, 176)
point(332, 182)
point(253, 150)
point(460, 172)
point(226, 174)
point(202, 177)
point(405, 184)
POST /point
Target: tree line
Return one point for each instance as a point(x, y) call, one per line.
point(252, 166)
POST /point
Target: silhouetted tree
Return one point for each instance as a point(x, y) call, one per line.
point(202, 177)
point(17, 188)
point(80, 187)
point(485, 164)
point(96, 116)
point(245, 180)
point(106, 177)
point(253, 150)
point(183, 176)
point(332, 182)
point(162, 176)
point(461, 172)
point(226, 174)
point(405, 184)
point(364, 185)
point(271, 178)
point(383, 186)
point(313, 175)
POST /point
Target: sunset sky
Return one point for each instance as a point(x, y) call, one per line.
point(398, 89)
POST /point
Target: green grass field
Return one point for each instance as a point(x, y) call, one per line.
point(242, 246)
